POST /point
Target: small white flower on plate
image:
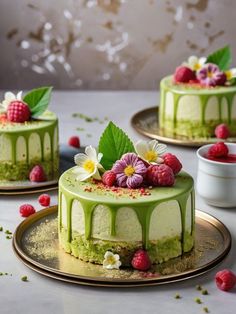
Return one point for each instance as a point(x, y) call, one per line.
point(150, 151)
point(111, 261)
point(196, 63)
point(8, 98)
point(88, 164)
point(230, 74)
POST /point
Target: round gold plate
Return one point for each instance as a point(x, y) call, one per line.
point(32, 190)
point(146, 123)
point(35, 242)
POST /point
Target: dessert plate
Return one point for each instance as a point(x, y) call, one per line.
point(35, 243)
point(146, 123)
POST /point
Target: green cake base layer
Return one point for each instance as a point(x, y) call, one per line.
point(93, 250)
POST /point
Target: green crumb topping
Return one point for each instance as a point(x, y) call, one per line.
point(177, 296)
point(80, 129)
point(205, 309)
point(8, 237)
point(24, 278)
point(198, 300)
point(1, 228)
point(205, 292)
point(8, 232)
point(199, 287)
point(89, 135)
point(1, 274)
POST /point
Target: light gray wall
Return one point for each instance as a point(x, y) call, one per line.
point(107, 44)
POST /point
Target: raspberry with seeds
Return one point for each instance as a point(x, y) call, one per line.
point(218, 150)
point(160, 175)
point(18, 111)
point(141, 260)
point(173, 162)
point(44, 200)
point(222, 131)
point(225, 279)
point(109, 178)
point(26, 210)
point(184, 74)
point(74, 141)
point(37, 174)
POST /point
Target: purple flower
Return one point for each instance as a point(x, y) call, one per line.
point(210, 75)
point(129, 171)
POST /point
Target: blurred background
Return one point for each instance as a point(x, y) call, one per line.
point(107, 44)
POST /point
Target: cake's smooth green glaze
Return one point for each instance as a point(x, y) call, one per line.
point(94, 196)
point(23, 145)
point(194, 111)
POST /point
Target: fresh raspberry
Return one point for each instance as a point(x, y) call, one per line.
point(37, 174)
point(109, 178)
point(74, 141)
point(173, 162)
point(3, 118)
point(221, 79)
point(222, 131)
point(44, 200)
point(218, 150)
point(225, 280)
point(160, 175)
point(26, 210)
point(184, 74)
point(18, 111)
point(141, 260)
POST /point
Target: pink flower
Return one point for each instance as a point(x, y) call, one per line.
point(129, 171)
point(210, 75)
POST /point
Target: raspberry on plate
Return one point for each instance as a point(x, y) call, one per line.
point(74, 141)
point(184, 74)
point(26, 210)
point(141, 260)
point(18, 111)
point(218, 150)
point(109, 178)
point(225, 279)
point(37, 174)
point(222, 131)
point(173, 162)
point(44, 200)
point(160, 175)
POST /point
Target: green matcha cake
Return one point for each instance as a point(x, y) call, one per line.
point(28, 136)
point(198, 97)
point(126, 199)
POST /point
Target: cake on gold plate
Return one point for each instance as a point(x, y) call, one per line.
point(28, 137)
point(199, 96)
point(127, 205)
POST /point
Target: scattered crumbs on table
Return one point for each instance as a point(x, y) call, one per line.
point(199, 287)
point(205, 309)
point(89, 119)
point(1, 228)
point(205, 292)
point(5, 274)
point(198, 300)
point(177, 296)
point(24, 278)
point(8, 237)
point(80, 129)
point(89, 135)
point(8, 232)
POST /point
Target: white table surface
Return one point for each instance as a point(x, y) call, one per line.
point(43, 295)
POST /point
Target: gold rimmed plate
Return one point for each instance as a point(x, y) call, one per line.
point(35, 242)
point(146, 123)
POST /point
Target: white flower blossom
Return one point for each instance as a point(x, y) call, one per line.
point(111, 261)
point(150, 151)
point(230, 74)
point(196, 63)
point(8, 98)
point(88, 164)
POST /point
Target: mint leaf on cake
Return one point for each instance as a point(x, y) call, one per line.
point(221, 57)
point(38, 100)
point(113, 144)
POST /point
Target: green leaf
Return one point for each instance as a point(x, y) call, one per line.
point(113, 144)
point(221, 57)
point(38, 100)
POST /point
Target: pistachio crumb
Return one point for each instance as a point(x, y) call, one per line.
point(177, 296)
point(205, 309)
point(1, 228)
point(24, 278)
point(199, 287)
point(8, 237)
point(8, 232)
point(198, 300)
point(205, 292)
point(1, 274)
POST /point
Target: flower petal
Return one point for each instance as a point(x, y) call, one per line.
point(108, 254)
point(91, 153)
point(192, 61)
point(80, 159)
point(96, 175)
point(81, 174)
point(141, 147)
point(19, 95)
point(9, 96)
point(134, 181)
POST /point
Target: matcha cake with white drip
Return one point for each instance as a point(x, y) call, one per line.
point(28, 136)
point(199, 96)
point(125, 199)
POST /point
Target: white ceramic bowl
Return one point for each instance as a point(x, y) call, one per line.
point(216, 181)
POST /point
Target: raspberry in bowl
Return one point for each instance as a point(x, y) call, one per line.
point(216, 177)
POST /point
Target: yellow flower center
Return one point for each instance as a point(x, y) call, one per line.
point(228, 75)
point(150, 156)
point(197, 66)
point(111, 260)
point(89, 166)
point(129, 171)
point(209, 74)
